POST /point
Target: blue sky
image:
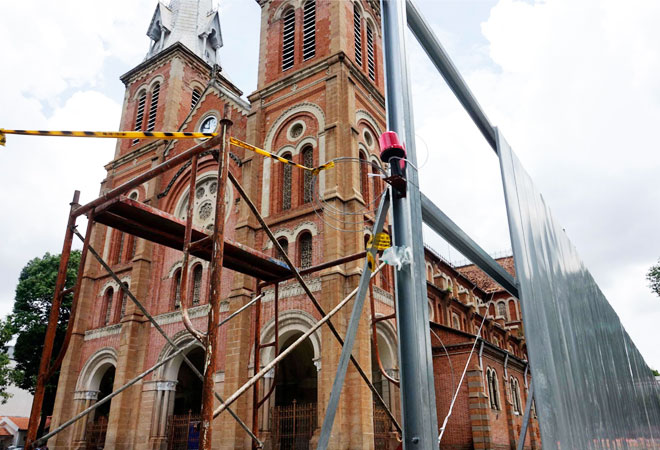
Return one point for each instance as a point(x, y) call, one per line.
point(575, 87)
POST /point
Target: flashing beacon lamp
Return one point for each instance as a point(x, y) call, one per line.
point(393, 152)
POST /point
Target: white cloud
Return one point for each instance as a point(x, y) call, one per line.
point(575, 90)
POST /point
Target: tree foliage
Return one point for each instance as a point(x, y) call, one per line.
point(28, 321)
point(653, 276)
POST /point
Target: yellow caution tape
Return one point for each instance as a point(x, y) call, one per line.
point(108, 134)
point(257, 150)
point(157, 135)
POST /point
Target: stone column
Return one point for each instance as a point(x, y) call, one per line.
point(82, 401)
point(478, 407)
point(163, 404)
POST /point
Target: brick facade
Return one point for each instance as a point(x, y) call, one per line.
point(333, 105)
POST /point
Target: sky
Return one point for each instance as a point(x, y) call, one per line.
point(573, 86)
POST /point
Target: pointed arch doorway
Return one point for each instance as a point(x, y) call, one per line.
point(97, 428)
point(296, 391)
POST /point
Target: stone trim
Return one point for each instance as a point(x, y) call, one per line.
point(292, 290)
point(175, 316)
point(383, 296)
point(86, 395)
point(103, 332)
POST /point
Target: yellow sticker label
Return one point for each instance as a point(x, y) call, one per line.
point(382, 241)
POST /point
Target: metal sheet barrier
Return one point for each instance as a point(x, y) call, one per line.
point(593, 389)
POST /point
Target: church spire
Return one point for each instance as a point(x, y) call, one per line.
point(194, 23)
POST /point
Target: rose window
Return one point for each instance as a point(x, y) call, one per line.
point(204, 207)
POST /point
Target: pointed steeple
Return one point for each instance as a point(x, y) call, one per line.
point(194, 23)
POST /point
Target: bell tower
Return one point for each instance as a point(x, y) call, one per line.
point(319, 97)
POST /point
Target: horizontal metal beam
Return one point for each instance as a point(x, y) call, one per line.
point(440, 58)
point(452, 233)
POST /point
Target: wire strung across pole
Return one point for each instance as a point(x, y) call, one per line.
point(460, 382)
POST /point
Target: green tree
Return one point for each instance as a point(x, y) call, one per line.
point(655, 373)
point(28, 321)
point(653, 276)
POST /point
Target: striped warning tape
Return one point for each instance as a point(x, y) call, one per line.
point(157, 135)
point(108, 134)
point(257, 150)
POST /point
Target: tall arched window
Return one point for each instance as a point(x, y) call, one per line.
point(197, 284)
point(513, 313)
point(107, 303)
point(286, 183)
point(515, 395)
point(288, 39)
point(357, 29)
point(285, 246)
point(120, 249)
point(139, 118)
point(501, 309)
point(493, 393)
point(124, 299)
point(196, 94)
point(132, 240)
point(308, 161)
point(309, 30)
point(176, 289)
point(153, 107)
point(364, 178)
point(371, 56)
point(305, 243)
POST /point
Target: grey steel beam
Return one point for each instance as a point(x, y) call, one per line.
point(440, 58)
point(525, 421)
point(420, 423)
point(452, 233)
point(351, 331)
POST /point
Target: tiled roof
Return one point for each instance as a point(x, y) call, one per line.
point(21, 422)
point(4, 432)
point(483, 281)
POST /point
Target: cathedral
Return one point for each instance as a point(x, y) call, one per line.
point(320, 96)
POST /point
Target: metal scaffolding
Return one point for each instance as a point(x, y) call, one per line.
point(409, 209)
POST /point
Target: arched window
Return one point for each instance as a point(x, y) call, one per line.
point(493, 393)
point(513, 313)
point(491, 310)
point(176, 289)
point(501, 309)
point(305, 243)
point(139, 118)
point(132, 240)
point(357, 28)
point(197, 284)
point(455, 321)
point(153, 107)
point(196, 94)
point(286, 183)
point(120, 249)
point(288, 39)
point(364, 178)
point(309, 30)
point(124, 299)
point(107, 303)
point(515, 394)
point(285, 246)
point(308, 161)
point(429, 273)
point(371, 57)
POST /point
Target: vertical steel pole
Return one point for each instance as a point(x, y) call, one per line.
point(420, 423)
point(215, 291)
point(51, 329)
point(525, 421)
